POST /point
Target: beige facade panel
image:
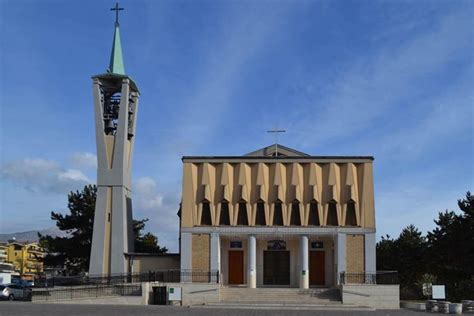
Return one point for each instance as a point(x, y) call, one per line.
point(200, 251)
point(355, 253)
point(341, 193)
point(144, 264)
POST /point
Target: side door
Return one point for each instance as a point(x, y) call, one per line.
point(16, 291)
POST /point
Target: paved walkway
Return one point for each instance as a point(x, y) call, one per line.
point(24, 308)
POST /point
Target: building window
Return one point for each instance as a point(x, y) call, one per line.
point(278, 215)
point(224, 219)
point(332, 214)
point(295, 214)
point(242, 219)
point(313, 214)
point(351, 214)
point(206, 214)
point(260, 216)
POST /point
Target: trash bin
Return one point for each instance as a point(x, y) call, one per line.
point(159, 295)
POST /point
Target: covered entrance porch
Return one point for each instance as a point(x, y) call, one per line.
point(282, 260)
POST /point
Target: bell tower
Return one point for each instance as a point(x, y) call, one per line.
point(115, 108)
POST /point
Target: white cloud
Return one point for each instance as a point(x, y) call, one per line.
point(240, 40)
point(72, 175)
point(84, 160)
point(381, 83)
point(160, 208)
point(40, 175)
point(146, 194)
point(406, 205)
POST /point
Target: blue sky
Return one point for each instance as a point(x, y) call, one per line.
point(392, 79)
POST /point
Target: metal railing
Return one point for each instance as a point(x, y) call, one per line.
point(379, 277)
point(169, 276)
point(83, 292)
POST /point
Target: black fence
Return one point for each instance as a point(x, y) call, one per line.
point(169, 276)
point(84, 292)
point(379, 277)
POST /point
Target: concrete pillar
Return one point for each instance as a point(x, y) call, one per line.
point(370, 263)
point(186, 251)
point(215, 250)
point(252, 262)
point(341, 255)
point(304, 266)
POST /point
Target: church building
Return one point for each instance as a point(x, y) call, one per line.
point(278, 217)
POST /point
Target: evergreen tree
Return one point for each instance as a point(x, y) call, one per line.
point(451, 249)
point(73, 250)
point(406, 254)
point(446, 254)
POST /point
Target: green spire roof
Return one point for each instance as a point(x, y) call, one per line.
point(116, 59)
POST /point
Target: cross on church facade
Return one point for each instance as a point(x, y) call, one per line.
point(116, 9)
point(276, 132)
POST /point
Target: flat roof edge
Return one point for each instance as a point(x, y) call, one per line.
point(250, 158)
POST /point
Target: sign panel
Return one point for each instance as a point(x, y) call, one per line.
point(174, 294)
point(438, 292)
point(317, 245)
point(276, 245)
point(236, 244)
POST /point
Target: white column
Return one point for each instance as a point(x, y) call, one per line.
point(341, 255)
point(304, 266)
point(186, 251)
point(370, 263)
point(252, 262)
point(215, 252)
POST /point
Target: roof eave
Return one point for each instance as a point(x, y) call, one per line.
point(274, 159)
point(111, 76)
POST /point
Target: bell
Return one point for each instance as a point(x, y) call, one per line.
point(109, 127)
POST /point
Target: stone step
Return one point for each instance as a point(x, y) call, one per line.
point(285, 306)
point(276, 291)
point(323, 296)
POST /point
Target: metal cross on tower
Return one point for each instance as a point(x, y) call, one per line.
point(276, 132)
point(116, 9)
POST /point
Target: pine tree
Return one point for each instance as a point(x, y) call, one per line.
point(73, 250)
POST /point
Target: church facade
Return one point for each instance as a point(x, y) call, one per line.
point(278, 218)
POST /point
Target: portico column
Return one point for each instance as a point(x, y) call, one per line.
point(340, 255)
point(304, 266)
point(252, 262)
point(215, 253)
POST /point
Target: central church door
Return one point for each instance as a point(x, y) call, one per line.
point(236, 267)
point(276, 267)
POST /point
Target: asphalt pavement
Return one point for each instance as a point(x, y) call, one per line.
point(37, 309)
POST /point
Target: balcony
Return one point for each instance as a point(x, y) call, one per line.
point(35, 251)
point(7, 267)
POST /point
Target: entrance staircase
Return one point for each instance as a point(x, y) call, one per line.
point(280, 296)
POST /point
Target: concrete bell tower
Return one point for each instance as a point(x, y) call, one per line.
point(115, 109)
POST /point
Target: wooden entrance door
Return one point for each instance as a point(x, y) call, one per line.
point(236, 267)
point(316, 268)
point(276, 267)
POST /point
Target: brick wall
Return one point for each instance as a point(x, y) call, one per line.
point(355, 253)
point(200, 252)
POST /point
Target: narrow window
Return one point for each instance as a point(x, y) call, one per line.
point(260, 216)
point(295, 214)
point(242, 219)
point(224, 219)
point(313, 214)
point(332, 215)
point(351, 215)
point(206, 214)
point(278, 215)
